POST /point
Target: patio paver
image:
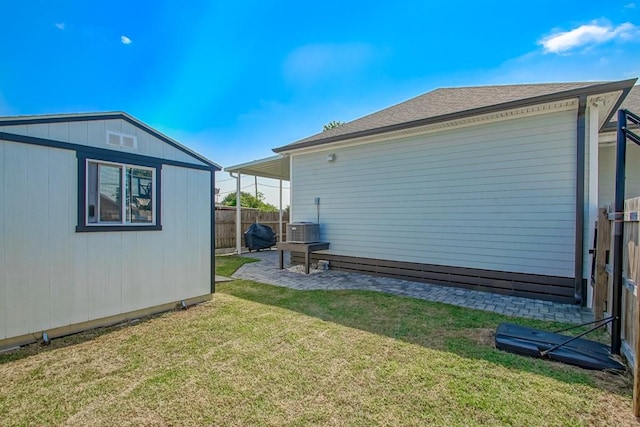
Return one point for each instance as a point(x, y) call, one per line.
point(266, 271)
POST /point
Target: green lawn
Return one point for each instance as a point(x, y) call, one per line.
point(263, 355)
point(228, 264)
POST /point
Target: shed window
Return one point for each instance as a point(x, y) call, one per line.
point(120, 194)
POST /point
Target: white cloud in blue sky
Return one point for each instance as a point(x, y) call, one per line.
point(59, 25)
point(630, 6)
point(125, 40)
point(587, 35)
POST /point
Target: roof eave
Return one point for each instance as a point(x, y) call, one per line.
point(611, 126)
point(110, 115)
point(274, 167)
point(624, 85)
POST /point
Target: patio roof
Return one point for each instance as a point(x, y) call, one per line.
point(275, 167)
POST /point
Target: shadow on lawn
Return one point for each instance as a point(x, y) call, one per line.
point(69, 340)
point(465, 332)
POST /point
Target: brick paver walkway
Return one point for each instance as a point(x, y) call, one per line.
point(266, 271)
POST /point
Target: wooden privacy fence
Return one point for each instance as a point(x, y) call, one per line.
point(226, 225)
point(603, 285)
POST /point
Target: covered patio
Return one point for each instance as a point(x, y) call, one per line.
point(275, 167)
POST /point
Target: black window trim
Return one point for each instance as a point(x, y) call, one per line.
point(127, 159)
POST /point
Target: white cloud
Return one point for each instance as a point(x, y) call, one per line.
point(587, 35)
point(536, 67)
point(125, 40)
point(630, 6)
point(59, 25)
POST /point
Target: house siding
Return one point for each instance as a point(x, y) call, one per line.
point(51, 276)
point(607, 175)
point(498, 196)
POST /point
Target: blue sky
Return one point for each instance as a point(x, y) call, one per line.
point(234, 79)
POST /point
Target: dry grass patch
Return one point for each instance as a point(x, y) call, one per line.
point(262, 355)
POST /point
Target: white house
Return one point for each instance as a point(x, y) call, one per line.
point(493, 188)
point(102, 219)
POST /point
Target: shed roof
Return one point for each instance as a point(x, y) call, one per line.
point(79, 117)
point(452, 103)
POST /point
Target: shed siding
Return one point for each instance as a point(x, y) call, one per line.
point(93, 134)
point(51, 276)
point(497, 196)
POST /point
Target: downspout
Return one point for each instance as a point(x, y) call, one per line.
point(238, 214)
point(579, 285)
point(290, 188)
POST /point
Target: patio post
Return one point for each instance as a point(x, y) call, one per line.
point(280, 224)
point(238, 216)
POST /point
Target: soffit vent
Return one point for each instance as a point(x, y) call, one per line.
point(122, 140)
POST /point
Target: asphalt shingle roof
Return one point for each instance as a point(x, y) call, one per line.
point(440, 103)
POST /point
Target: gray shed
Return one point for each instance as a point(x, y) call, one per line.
point(102, 219)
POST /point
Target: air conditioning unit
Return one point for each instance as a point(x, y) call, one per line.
point(303, 232)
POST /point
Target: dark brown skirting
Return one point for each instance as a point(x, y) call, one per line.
point(550, 288)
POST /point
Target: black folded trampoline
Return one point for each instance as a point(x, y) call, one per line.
point(571, 350)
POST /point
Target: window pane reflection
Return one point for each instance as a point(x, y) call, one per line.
point(110, 193)
point(139, 184)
